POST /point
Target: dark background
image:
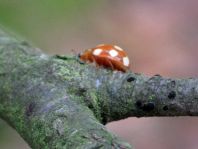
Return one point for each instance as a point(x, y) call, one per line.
point(159, 36)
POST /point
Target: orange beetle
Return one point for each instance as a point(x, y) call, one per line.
point(108, 56)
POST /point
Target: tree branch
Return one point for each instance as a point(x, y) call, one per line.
point(40, 99)
point(56, 102)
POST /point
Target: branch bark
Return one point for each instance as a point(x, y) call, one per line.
point(56, 102)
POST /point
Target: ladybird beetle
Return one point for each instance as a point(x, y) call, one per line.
point(108, 56)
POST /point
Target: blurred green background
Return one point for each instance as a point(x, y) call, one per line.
point(161, 37)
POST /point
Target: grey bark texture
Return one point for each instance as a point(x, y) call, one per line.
point(57, 102)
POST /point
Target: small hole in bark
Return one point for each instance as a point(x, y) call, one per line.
point(149, 106)
point(172, 95)
point(139, 103)
point(131, 79)
point(165, 108)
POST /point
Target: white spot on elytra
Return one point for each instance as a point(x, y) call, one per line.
point(126, 61)
point(97, 52)
point(113, 53)
point(118, 48)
